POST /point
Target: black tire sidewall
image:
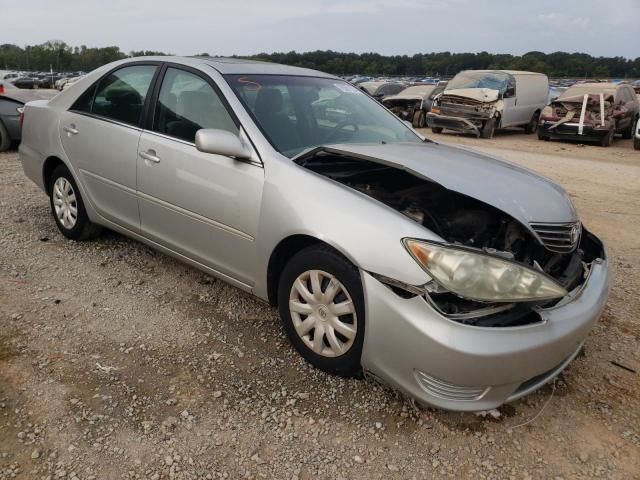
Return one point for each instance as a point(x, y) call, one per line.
point(330, 261)
point(82, 221)
point(489, 128)
point(5, 139)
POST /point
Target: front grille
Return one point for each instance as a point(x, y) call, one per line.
point(448, 391)
point(558, 237)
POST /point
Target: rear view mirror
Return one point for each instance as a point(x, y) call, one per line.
point(221, 142)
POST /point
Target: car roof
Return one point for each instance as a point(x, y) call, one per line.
point(510, 72)
point(238, 66)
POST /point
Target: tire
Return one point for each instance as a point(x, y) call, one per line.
point(542, 136)
point(629, 132)
point(607, 140)
point(436, 129)
point(532, 126)
point(5, 140)
point(636, 143)
point(488, 129)
point(419, 119)
point(297, 277)
point(64, 195)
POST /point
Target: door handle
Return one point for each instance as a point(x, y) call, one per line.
point(71, 129)
point(150, 155)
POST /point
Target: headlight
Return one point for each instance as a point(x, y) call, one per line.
point(482, 277)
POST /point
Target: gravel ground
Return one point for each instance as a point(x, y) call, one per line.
point(119, 362)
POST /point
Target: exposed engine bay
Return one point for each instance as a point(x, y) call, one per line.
point(459, 220)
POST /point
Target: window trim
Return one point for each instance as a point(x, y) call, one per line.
point(96, 84)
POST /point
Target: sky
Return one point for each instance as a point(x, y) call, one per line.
point(244, 27)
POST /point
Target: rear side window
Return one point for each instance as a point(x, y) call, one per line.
point(188, 103)
point(120, 96)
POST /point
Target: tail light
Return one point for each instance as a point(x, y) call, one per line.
point(1, 88)
point(21, 111)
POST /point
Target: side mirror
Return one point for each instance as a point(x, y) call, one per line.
point(221, 142)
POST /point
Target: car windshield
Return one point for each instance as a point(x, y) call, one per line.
point(298, 113)
point(423, 90)
point(470, 79)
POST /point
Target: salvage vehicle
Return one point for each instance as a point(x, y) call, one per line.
point(481, 101)
point(413, 103)
point(379, 90)
point(462, 280)
point(636, 137)
point(12, 100)
point(591, 112)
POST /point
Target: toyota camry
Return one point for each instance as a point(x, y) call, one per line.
point(462, 280)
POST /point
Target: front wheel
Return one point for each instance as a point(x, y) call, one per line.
point(630, 132)
point(489, 128)
point(321, 305)
point(607, 140)
point(5, 140)
point(67, 206)
point(418, 119)
point(636, 143)
point(436, 129)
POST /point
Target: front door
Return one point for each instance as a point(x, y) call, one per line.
point(100, 135)
point(201, 205)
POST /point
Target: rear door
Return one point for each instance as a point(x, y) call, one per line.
point(201, 205)
point(100, 135)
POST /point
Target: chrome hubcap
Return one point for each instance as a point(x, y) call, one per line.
point(65, 203)
point(323, 313)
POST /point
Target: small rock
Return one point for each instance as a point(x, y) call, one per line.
point(35, 454)
point(217, 394)
point(358, 459)
point(168, 460)
point(393, 468)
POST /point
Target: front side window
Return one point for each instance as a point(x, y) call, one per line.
point(120, 95)
point(298, 113)
point(188, 103)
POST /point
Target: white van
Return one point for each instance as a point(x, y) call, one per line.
point(479, 101)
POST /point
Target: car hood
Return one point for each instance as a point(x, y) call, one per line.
point(478, 94)
point(402, 97)
point(517, 191)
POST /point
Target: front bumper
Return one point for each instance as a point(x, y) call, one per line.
point(457, 124)
point(446, 364)
point(570, 131)
point(12, 123)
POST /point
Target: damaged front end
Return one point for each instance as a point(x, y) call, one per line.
point(465, 110)
point(581, 117)
point(408, 109)
point(563, 253)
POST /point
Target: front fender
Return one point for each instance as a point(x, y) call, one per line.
point(297, 201)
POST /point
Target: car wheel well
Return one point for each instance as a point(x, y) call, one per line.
point(50, 165)
point(285, 250)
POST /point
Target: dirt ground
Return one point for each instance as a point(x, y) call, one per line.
point(119, 362)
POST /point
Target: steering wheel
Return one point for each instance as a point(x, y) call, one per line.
point(340, 127)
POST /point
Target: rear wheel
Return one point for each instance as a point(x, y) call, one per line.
point(5, 140)
point(488, 129)
point(607, 140)
point(321, 305)
point(67, 206)
point(436, 129)
point(532, 126)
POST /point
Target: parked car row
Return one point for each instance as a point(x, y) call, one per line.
point(30, 80)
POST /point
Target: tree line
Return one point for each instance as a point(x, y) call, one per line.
point(62, 57)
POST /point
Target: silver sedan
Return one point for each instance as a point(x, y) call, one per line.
point(462, 280)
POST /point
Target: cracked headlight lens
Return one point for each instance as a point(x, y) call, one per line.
point(482, 277)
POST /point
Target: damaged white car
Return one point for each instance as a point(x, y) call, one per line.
point(462, 280)
point(481, 101)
